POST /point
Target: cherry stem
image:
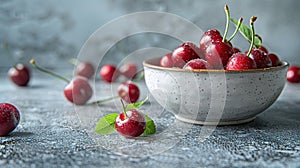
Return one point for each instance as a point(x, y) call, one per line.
point(8, 54)
point(32, 61)
point(236, 30)
point(105, 100)
point(140, 77)
point(227, 22)
point(252, 20)
point(124, 108)
point(74, 61)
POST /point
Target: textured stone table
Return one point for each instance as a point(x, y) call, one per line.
point(53, 133)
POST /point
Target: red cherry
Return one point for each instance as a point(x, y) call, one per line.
point(261, 58)
point(78, 91)
point(85, 69)
point(240, 61)
point(109, 73)
point(208, 37)
point(196, 64)
point(236, 50)
point(264, 49)
point(218, 53)
point(131, 124)
point(9, 118)
point(129, 92)
point(184, 53)
point(274, 59)
point(129, 70)
point(19, 74)
point(293, 74)
point(166, 61)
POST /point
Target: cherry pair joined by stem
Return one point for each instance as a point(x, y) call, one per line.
point(218, 49)
point(78, 91)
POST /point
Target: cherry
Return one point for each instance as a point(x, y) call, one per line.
point(184, 53)
point(78, 91)
point(208, 37)
point(218, 53)
point(166, 60)
point(240, 61)
point(264, 49)
point(274, 59)
point(293, 74)
point(129, 70)
point(196, 64)
point(19, 75)
point(130, 123)
point(129, 92)
point(109, 73)
point(261, 58)
point(236, 50)
point(85, 69)
point(9, 118)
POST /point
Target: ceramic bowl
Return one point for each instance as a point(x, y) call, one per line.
point(214, 97)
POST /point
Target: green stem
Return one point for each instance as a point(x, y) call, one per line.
point(32, 61)
point(236, 30)
point(227, 22)
point(124, 108)
point(74, 61)
point(104, 100)
point(140, 77)
point(7, 53)
point(252, 20)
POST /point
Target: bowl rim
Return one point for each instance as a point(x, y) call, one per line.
point(149, 64)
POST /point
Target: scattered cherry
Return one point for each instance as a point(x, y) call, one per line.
point(293, 74)
point(9, 118)
point(261, 59)
point(19, 74)
point(166, 60)
point(78, 91)
point(129, 70)
point(85, 69)
point(130, 123)
point(274, 59)
point(129, 92)
point(196, 64)
point(109, 73)
point(184, 53)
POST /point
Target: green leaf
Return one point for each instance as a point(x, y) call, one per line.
point(247, 33)
point(135, 105)
point(106, 125)
point(150, 126)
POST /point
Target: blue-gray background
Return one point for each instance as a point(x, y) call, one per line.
point(54, 30)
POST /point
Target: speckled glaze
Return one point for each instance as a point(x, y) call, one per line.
point(214, 97)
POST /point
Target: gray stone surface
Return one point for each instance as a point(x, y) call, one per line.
point(52, 133)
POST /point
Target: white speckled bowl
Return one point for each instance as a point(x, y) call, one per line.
point(214, 97)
